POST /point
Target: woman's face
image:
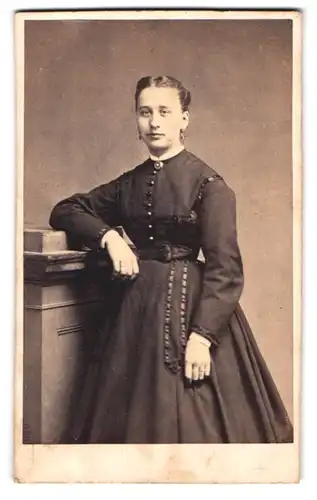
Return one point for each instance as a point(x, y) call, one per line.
point(160, 118)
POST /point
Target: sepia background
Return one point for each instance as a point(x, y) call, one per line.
point(80, 131)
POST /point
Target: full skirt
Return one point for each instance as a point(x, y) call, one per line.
point(130, 395)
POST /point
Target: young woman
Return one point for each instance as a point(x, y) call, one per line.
point(178, 362)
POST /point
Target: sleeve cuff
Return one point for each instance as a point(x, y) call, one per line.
point(98, 238)
point(207, 334)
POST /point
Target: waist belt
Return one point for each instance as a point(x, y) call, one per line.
point(165, 252)
point(162, 252)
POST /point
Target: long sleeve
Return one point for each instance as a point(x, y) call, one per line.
point(223, 273)
point(88, 216)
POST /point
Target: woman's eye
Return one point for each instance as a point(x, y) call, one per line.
point(144, 112)
point(165, 112)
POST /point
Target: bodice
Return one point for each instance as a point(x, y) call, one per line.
point(175, 230)
point(160, 202)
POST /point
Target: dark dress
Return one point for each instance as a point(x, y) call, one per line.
point(135, 390)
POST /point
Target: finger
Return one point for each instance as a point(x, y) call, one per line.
point(201, 372)
point(130, 268)
point(122, 267)
point(195, 372)
point(133, 275)
point(207, 369)
point(135, 266)
point(116, 266)
point(188, 370)
point(123, 273)
point(126, 269)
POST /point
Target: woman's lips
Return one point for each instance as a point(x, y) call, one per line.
point(155, 136)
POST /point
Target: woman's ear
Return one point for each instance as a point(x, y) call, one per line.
point(185, 120)
point(139, 133)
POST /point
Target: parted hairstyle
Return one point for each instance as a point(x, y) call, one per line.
point(164, 81)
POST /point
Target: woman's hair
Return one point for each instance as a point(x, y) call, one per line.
point(164, 81)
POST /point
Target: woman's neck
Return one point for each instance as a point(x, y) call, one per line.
point(167, 154)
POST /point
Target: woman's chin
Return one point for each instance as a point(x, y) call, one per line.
point(158, 144)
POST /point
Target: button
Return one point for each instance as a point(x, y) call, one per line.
point(151, 238)
point(150, 226)
point(149, 214)
point(150, 183)
point(148, 204)
point(148, 194)
point(158, 165)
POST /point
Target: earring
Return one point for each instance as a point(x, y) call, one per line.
point(182, 135)
point(140, 137)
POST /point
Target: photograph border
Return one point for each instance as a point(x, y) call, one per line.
point(190, 463)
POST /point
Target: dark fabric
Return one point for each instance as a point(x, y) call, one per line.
point(135, 390)
point(88, 216)
point(165, 253)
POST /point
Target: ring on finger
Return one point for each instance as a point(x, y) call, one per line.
point(123, 271)
point(125, 276)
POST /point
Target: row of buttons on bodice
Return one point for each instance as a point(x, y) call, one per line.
point(148, 203)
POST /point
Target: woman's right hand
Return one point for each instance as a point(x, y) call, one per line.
point(125, 262)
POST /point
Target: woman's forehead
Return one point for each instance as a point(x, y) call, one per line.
point(159, 96)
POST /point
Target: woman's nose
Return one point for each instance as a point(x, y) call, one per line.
point(155, 122)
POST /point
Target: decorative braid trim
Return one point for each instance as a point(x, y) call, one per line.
point(204, 182)
point(167, 319)
point(183, 338)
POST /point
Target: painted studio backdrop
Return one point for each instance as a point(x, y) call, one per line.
point(80, 131)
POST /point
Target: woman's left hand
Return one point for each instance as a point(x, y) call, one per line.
point(197, 357)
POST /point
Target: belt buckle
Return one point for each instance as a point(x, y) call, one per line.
point(165, 250)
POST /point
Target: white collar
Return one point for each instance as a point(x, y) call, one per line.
point(168, 155)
